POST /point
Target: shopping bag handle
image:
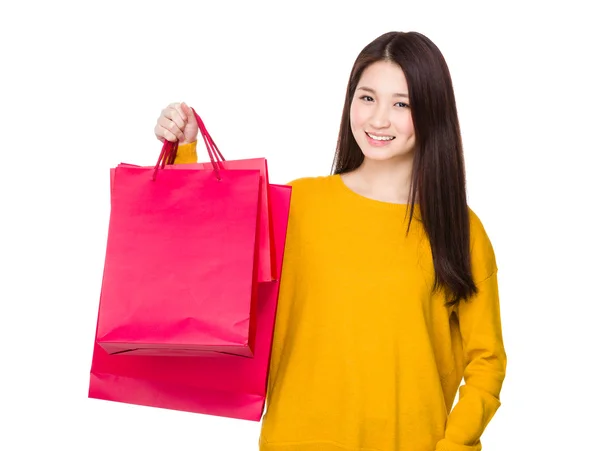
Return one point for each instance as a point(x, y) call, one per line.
point(169, 150)
point(211, 147)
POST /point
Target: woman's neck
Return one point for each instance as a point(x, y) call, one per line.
point(386, 181)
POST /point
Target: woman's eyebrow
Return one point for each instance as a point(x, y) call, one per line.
point(398, 94)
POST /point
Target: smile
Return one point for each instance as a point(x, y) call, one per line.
point(380, 138)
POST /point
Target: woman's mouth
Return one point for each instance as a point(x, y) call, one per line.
point(379, 140)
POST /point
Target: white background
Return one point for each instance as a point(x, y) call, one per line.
point(82, 85)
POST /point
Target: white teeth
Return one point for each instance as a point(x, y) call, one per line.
point(380, 138)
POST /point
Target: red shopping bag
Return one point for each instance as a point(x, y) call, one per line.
point(180, 266)
point(214, 384)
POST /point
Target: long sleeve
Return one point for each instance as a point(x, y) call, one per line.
point(186, 153)
point(483, 353)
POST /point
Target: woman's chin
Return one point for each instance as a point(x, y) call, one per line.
point(383, 154)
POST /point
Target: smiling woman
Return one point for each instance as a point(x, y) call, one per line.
point(379, 317)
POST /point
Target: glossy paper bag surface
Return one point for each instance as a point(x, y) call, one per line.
point(266, 248)
point(180, 273)
point(213, 384)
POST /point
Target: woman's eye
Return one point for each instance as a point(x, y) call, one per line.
point(367, 98)
point(403, 105)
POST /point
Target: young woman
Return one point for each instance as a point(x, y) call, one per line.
point(389, 291)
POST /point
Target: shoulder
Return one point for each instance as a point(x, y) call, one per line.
point(310, 197)
point(310, 182)
point(483, 257)
point(476, 224)
point(306, 187)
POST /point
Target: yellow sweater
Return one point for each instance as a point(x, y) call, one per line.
point(364, 357)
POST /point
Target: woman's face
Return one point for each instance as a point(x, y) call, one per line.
point(380, 116)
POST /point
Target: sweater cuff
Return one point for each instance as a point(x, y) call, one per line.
point(186, 153)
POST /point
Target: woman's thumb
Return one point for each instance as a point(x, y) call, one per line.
point(189, 113)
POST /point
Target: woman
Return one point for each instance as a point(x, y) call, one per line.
point(389, 290)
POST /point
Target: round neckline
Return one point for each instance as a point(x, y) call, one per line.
point(367, 200)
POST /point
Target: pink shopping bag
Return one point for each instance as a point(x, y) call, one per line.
point(213, 384)
point(180, 266)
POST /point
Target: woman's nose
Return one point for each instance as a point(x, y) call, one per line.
point(380, 118)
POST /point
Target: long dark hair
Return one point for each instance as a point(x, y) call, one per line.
point(438, 178)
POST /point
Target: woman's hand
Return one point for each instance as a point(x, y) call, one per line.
point(177, 123)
